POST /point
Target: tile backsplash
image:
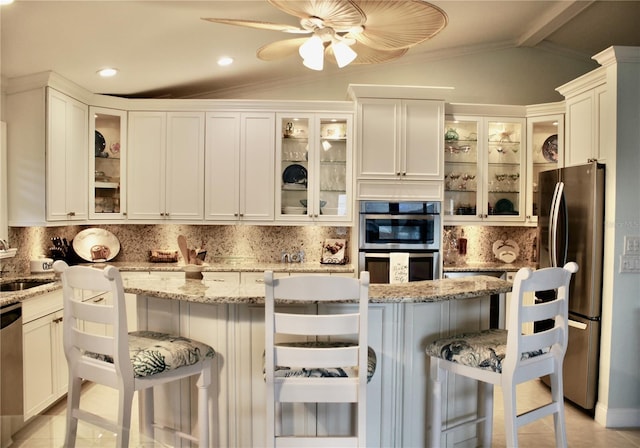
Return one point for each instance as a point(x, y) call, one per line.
point(480, 241)
point(222, 243)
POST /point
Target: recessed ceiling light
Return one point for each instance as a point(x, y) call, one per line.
point(107, 72)
point(224, 61)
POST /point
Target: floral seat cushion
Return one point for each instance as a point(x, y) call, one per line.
point(342, 372)
point(153, 352)
point(484, 350)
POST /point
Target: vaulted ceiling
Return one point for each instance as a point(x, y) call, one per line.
point(164, 49)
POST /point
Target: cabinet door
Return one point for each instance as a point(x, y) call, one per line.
point(39, 351)
point(184, 169)
point(421, 140)
point(295, 159)
point(67, 159)
point(545, 151)
point(146, 165)
point(240, 159)
point(222, 180)
point(257, 143)
point(505, 170)
point(332, 178)
point(107, 163)
point(378, 139)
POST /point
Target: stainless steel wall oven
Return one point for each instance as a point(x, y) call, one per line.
point(412, 227)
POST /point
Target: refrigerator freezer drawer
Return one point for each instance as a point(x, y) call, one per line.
point(580, 373)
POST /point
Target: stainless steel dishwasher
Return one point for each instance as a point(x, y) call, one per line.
point(11, 403)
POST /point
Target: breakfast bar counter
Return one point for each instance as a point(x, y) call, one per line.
point(211, 291)
point(403, 319)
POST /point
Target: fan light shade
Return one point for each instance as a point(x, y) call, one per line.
point(343, 53)
point(312, 52)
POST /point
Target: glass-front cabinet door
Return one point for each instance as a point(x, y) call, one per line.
point(484, 169)
point(545, 137)
point(314, 167)
point(107, 179)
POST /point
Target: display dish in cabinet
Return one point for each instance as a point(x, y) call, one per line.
point(107, 173)
point(484, 169)
point(314, 159)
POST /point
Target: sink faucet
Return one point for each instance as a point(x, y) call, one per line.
point(4, 245)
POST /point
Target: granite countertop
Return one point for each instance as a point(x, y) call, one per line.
point(203, 291)
point(491, 266)
point(7, 298)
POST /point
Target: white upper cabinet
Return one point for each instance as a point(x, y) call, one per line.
point(67, 158)
point(313, 167)
point(484, 169)
point(585, 117)
point(240, 152)
point(107, 163)
point(400, 139)
point(165, 165)
point(545, 151)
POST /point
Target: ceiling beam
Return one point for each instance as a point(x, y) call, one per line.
point(555, 18)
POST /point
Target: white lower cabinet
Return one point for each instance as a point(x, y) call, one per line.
point(397, 396)
point(45, 373)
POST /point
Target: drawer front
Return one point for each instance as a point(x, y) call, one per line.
point(38, 306)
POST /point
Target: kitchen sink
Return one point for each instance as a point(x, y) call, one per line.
point(22, 285)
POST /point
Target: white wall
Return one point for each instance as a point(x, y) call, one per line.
point(619, 388)
point(519, 76)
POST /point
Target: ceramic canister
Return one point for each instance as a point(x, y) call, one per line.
point(41, 265)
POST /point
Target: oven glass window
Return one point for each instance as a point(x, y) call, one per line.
point(407, 231)
point(420, 268)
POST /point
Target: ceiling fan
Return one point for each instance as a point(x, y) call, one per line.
point(358, 31)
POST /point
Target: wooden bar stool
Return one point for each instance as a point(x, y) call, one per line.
point(127, 362)
point(507, 358)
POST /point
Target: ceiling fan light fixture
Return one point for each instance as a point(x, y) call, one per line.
point(314, 63)
point(311, 48)
point(344, 53)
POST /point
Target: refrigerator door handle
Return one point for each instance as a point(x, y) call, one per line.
point(565, 240)
point(576, 324)
point(553, 227)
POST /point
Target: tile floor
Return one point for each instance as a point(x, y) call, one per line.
point(47, 431)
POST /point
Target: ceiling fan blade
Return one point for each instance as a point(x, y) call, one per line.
point(280, 49)
point(340, 15)
point(368, 55)
point(399, 24)
point(259, 25)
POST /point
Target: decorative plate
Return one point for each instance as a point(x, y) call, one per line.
point(96, 245)
point(295, 174)
point(550, 148)
point(101, 143)
point(503, 206)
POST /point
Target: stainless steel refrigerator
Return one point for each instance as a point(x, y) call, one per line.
point(570, 228)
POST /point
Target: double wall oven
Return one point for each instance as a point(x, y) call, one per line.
point(412, 227)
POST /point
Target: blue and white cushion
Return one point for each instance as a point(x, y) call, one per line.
point(483, 350)
point(341, 372)
point(152, 352)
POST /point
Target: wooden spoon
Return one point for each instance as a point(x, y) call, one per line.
point(182, 244)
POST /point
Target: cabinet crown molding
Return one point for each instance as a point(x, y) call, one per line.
point(585, 82)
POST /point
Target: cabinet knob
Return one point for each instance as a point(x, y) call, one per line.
point(235, 214)
point(398, 173)
point(124, 213)
point(241, 215)
point(58, 320)
point(404, 173)
point(71, 214)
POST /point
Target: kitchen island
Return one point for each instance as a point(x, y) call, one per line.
point(403, 318)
